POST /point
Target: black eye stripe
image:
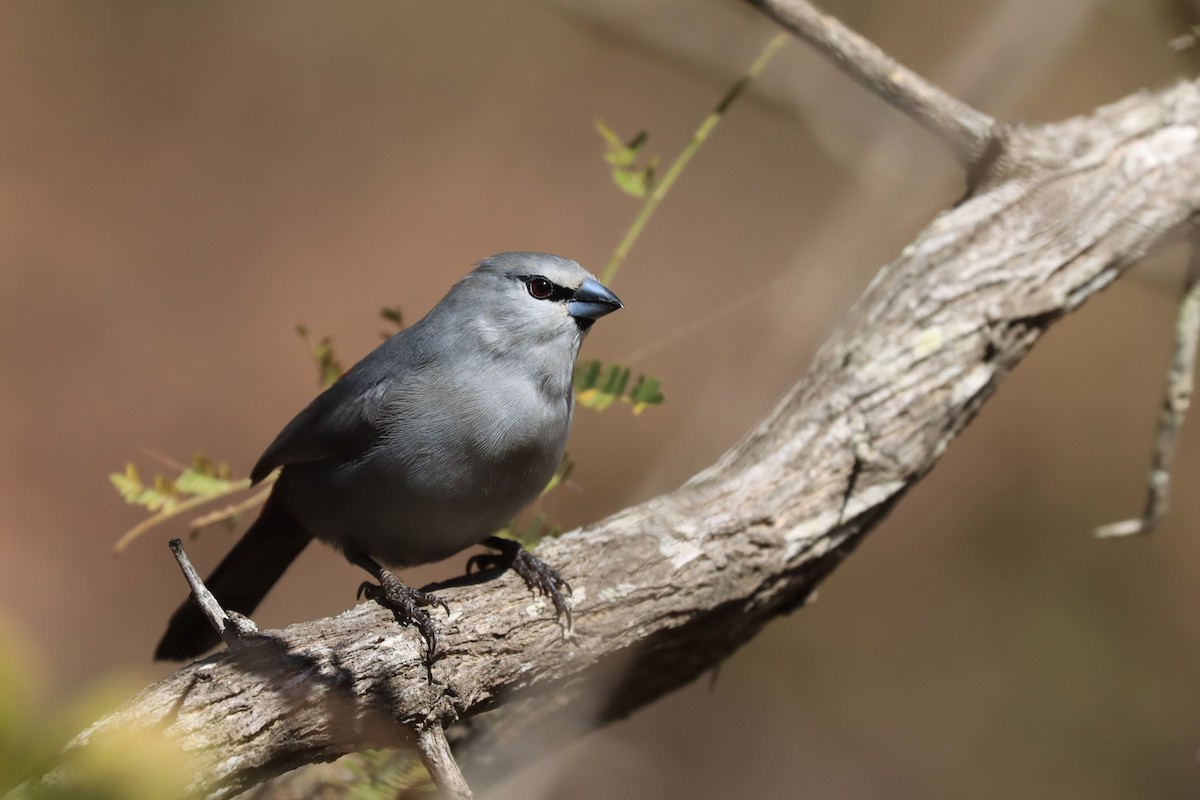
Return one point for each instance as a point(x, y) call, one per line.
point(546, 289)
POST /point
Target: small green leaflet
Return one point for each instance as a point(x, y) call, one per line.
point(204, 478)
point(129, 485)
point(598, 386)
point(622, 156)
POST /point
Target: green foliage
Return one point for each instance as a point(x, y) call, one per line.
point(598, 386)
point(388, 775)
point(634, 180)
point(116, 764)
point(204, 482)
point(642, 183)
point(22, 745)
point(204, 478)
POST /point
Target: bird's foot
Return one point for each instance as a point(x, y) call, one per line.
point(542, 577)
point(537, 574)
point(408, 605)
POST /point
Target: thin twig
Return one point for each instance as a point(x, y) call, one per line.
point(231, 626)
point(1176, 399)
point(440, 763)
point(229, 513)
point(699, 137)
point(966, 130)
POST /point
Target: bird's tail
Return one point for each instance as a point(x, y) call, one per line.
point(240, 581)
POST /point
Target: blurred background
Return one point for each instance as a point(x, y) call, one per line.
point(182, 183)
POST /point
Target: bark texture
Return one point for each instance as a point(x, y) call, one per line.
point(666, 590)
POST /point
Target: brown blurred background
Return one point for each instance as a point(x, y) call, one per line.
point(181, 183)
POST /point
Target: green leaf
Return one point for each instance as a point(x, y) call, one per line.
point(598, 386)
point(607, 389)
point(202, 479)
point(629, 177)
point(632, 182)
point(162, 494)
point(636, 182)
point(387, 774)
point(646, 393)
point(128, 483)
point(617, 152)
point(586, 375)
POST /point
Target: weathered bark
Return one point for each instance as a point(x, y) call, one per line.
point(666, 590)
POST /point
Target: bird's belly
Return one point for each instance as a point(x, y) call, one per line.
point(406, 532)
point(415, 511)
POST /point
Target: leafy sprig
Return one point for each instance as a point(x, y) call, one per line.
point(168, 497)
point(641, 182)
point(598, 386)
point(636, 181)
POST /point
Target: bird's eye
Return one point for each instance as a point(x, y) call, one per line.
point(540, 288)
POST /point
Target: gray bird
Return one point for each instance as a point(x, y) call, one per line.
point(429, 445)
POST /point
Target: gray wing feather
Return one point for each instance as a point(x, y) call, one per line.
point(343, 421)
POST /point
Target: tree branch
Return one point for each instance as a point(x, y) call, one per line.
point(965, 130)
point(668, 589)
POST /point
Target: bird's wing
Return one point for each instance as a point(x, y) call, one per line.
point(340, 423)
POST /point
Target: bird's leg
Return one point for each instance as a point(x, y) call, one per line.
point(537, 574)
point(406, 603)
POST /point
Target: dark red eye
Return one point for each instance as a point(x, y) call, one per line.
point(540, 288)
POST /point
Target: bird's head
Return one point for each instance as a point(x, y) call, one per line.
point(530, 300)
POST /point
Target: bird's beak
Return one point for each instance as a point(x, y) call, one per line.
point(592, 301)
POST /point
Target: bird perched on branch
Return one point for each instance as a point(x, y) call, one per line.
point(429, 445)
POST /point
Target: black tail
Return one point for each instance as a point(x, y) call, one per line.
point(240, 582)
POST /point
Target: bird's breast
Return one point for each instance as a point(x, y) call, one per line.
point(445, 472)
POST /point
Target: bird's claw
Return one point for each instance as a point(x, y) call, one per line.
point(543, 578)
point(408, 605)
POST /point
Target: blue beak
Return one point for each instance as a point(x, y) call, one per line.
point(592, 301)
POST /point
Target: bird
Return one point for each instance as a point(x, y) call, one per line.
point(429, 445)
